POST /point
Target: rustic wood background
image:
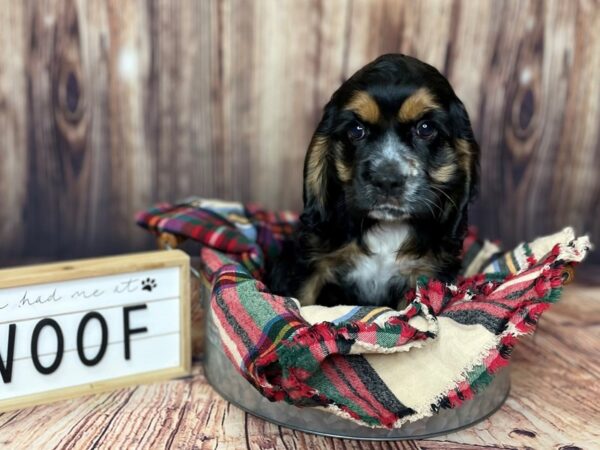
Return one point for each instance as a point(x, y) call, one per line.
point(107, 106)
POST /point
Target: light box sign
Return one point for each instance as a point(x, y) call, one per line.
point(84, 326)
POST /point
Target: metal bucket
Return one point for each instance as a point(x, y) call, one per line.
point(234, 388)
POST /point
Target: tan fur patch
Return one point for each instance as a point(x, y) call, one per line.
point(324, 263)
point(464, 153)
point(415, 106)
point(312, 287)
point(443, 174)
point(363, 105)
point(344, 172)
point(340, 256)
point(416, 265)
point(316, 169)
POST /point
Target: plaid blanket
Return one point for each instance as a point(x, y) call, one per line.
point(374, 365)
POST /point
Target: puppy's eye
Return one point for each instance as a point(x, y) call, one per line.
point(356, 132)
point(425, 129)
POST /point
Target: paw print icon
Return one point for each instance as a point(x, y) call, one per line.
point(148, 284)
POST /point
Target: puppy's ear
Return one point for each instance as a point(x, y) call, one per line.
point(317, 173)
point(467, 151)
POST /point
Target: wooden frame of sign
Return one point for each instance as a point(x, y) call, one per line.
point(81, 327)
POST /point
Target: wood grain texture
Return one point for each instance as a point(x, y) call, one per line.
point(13, 129)
point(108, 106)
point(553, 405)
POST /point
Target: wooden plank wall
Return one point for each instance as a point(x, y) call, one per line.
point(109, 105)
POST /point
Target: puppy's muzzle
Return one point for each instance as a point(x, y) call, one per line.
point(387, 179)
point(388, 168)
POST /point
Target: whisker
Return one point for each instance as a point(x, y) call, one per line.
point(447, 196)
point(429, 204)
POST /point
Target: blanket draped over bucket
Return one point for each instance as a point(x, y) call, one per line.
point(374, 365)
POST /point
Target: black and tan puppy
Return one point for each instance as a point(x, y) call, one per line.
point(388, 178)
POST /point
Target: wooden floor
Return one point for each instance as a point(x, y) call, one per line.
point(554, 404)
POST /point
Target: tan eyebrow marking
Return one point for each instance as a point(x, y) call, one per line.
point(363, 105)
point(415, 106)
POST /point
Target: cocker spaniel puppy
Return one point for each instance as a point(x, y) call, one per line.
point(388, 178)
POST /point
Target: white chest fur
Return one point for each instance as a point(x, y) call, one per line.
point(371, 273)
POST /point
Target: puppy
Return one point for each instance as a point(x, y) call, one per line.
point(388, 178)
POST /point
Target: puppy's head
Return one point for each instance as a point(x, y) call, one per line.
point(394, 143)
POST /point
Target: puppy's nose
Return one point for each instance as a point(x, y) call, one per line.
point(388, 180)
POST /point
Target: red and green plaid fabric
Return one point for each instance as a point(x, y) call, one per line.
point(245, 233)
point(332, 357)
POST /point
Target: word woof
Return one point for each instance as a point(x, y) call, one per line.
point(53, 325)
